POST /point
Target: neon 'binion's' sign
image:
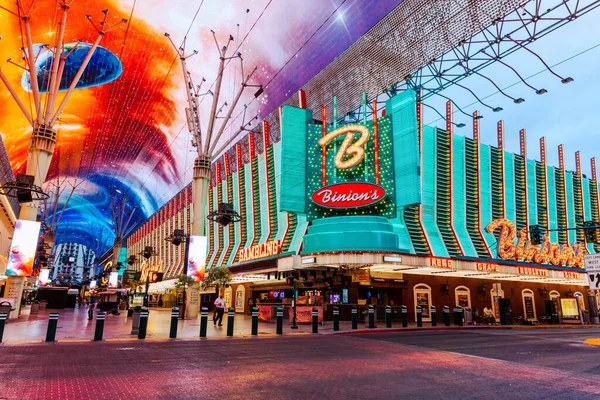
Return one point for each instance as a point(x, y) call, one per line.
point(524, 250)
point(348, 195)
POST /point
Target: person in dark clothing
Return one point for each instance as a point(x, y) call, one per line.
point(220, 306)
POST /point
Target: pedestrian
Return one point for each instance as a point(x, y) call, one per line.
point(91, 311)
point(220, 307)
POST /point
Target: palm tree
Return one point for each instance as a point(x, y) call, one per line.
point(216, 277)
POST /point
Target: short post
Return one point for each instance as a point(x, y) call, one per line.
point(3, 317)
point(419, 317)
point(315, 320)
point(354, 317)
point(230, 316)
point(433, 316)
point(446, 315)
point(336, 318)
point(174, 319)
point(203, 321)
point(371, 316)
point(254, 321)
point(52, 323)
point(99, 326)
point(404, 317)
point(280, 320)
point(388, 316)
point(143, 323)
point(458, 316)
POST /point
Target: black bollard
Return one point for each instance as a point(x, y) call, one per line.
point(458, 316)
point(99, 326)
point(404, 317)
point(419, 317)
point(446, 315)
point(230, 316)
point(433, 316)
point(143, 323)
point(3, 317)
point(355, 317)
point(388, 316)
point(254, 321)
point(52, 323)
point(280, 320)
point(371, 316)
point(203, 321)
point(174, 319)
point(315, 320)
point(336, 318)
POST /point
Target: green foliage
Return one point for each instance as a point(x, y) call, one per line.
point(183, 281)
point(216, 277)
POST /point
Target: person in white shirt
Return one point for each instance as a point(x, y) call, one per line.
point(220, 306)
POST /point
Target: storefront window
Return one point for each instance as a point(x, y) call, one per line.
point(240, 294)
point(462, 296)
point(423, 299)
point(529, 304)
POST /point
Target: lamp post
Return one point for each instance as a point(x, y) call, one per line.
point(177, 238)
point(206, 143)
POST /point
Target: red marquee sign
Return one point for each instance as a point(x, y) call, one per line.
point(348, 195)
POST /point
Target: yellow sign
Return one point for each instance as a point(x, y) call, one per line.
point(529, 271)
point(524, 250)
point(270, 248)
point(488, 267)
point(440, 262)
point(350, 154)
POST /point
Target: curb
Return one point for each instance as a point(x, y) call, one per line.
point(396, 330)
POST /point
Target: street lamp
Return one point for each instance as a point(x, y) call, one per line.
point(178, 237)
point(147, 253)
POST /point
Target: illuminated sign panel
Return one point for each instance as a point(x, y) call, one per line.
point(436, 262)
point(524, 250)
point(22, 250)
point(350, 169)
point(349, 195)
point(488, 267)
point(270, 248)
point(197, 251)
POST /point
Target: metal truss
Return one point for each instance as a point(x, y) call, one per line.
point(506, 35)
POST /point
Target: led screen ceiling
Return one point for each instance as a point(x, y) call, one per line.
point(124, 129)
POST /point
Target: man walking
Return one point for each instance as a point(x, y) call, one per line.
point(220, 306)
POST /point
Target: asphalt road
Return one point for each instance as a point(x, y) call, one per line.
point(490, 364)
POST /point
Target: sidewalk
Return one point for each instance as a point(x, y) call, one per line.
point(73, 325)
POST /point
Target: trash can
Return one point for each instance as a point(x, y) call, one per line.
point(43, 304)
point(6, 307)
point(135, 326)
point(35, 307)
point(458, 316)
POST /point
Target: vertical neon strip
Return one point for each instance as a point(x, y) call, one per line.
point(476, 137)
point(561, 164)
point(239, 163)
point(523, 145)
point(267, 142)
point(543, 161)
point(301, 99)
point(324, 149)
point(226, 162)
point(334, 112)
point(593, 166)
point(450, 133)
point(578, 163)
point(253, 208)
point(543, 150)
point(500, 131)
point(420, 138)
point(376, 141)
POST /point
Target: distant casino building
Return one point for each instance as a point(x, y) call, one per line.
point(382, 210)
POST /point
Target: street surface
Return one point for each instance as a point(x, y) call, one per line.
point(469, 364)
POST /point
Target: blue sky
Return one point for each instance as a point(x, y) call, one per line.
point(567, 114)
